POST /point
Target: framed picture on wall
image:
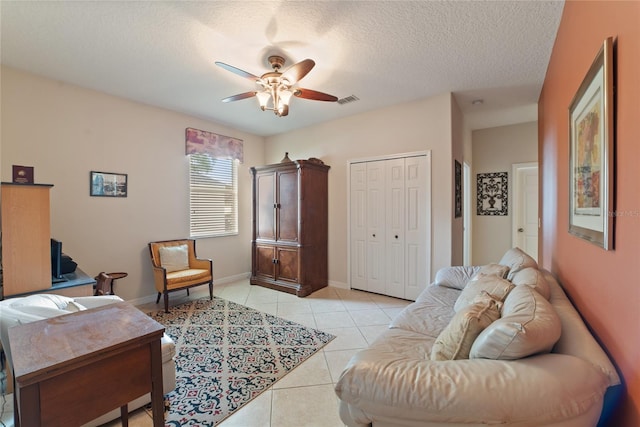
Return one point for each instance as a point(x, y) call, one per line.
point(107, 184)
point(492, 192)
point(591, 153)
point(458, 192)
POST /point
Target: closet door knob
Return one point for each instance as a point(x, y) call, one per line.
point(396, 236)
point(374, 235)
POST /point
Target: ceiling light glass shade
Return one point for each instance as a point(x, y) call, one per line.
point(263, 99)
point(283, 110)
point(285, 96)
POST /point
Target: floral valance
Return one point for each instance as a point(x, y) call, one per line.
point(214, 145)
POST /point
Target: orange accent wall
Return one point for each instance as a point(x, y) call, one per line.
point(604, 285)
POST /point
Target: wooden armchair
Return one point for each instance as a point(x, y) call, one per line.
point(176, 267)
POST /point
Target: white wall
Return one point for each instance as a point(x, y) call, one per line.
point(496, 150)
point(416, 126)
point(65, 131)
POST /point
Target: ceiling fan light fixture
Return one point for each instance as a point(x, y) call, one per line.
point(276, 88)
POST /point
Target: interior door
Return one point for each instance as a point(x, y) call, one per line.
point(395, 225)
point(358, 225)
point(417, 254)
point(376, 240)
point(525, 234)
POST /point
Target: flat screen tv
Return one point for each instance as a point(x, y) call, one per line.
point(56, 257)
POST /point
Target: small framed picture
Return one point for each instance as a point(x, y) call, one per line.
point(107, 184)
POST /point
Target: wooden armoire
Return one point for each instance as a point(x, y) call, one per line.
point(290, 227)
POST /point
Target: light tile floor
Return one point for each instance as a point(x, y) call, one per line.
point(305, 396)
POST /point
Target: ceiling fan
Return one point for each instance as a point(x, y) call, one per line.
point(277, 86)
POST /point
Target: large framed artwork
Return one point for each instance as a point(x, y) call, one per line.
point(492, 194)
point(591, 153)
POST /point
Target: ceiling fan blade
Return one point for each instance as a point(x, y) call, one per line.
point(239, 96)
point(314, 95)
point(298, 71)
point(238, 71)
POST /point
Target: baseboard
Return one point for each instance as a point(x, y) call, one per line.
point(340, 285)
point(221, 281)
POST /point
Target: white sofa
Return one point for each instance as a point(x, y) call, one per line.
point(534, 364)
point(15, 311)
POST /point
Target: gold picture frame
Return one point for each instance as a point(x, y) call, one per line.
point(591, 145)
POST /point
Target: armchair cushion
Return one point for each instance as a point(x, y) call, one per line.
point(182, 278)
point(174, 258)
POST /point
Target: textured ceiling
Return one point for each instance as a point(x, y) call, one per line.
point(385, 53)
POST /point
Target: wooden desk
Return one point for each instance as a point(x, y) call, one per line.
point(73, 368)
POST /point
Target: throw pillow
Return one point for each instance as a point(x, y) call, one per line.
point(492, 270)
point(533, 278)
point(455, 341)
point(174, 258)
point(529, 325)
point(517, 259)
point(495, 286)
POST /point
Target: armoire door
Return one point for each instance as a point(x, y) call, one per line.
point(287, 264)
point(264, 263)
point(287, 206)
point(265, 206)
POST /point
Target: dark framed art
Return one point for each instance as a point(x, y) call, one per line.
point(492, 193)
point(591, 148)
point(458, 192)
point(107, 184)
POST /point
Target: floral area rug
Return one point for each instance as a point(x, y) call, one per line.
point(227, 354)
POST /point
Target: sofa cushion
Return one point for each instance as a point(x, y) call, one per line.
point(533, 278)
point(455, 341)
point(498, 270)
point(174, 258)
point(455, 277)
point(430, 314)
point(516, 259)
point(529, 325)
point(495, 286)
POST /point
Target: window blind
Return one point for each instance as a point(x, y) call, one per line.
point(213, 196)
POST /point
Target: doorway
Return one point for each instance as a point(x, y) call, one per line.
point(466, 213)
point(525, 220)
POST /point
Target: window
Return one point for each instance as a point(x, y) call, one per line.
point(213, 196)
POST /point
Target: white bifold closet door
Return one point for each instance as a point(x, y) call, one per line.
point(389, 226)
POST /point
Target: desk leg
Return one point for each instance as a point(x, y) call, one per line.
point(124, 415)
point(156, 386)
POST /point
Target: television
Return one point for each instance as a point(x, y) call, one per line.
point(56, 258)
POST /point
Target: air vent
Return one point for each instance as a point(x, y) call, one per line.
point(348, 99)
